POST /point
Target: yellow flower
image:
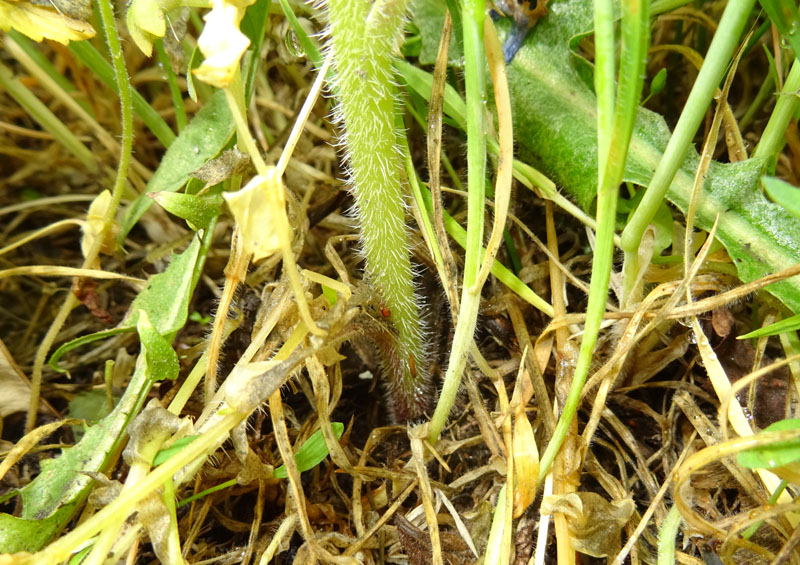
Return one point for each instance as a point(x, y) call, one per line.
point(147, 21)
point(222, 43)
point(46, 22)
point(254, 207)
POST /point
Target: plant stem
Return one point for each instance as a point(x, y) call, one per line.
point(773, 138)
point(91, 258)
point(716, 62)
point(472, 15)
point(364, 38)
point(635, 31)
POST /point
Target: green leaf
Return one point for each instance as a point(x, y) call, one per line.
point(206, 135)
point(254, 26)
point(311, 453)
point(90, 405)
point(555, 126)
point(786, 18)
point(49, 501)
point(165, 454)
point(30, 534)
point(166, 297)
point(787, 325)
point(783, 193)
point(776, 454)
point(659, 82)
point(83, 340)
point(161, 361)
point(198, 211)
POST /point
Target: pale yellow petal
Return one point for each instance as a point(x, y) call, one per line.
point(40, 22)
point(222, 44)
point(255, 207)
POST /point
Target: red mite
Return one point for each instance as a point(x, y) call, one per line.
point(385, 312)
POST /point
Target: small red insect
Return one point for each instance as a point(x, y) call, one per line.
point(412, 366)
point(385, 312)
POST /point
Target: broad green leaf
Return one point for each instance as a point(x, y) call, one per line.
point(555, 126)
point(166, 296)
point(311, 453)
point(205, 136)
point(30, 534)
point(776, 454)
point(198, 211)
point(165, 299)
point(165, 454)
point(789, 324)
point(48, 502)
point(161, 361)
point(783, 193)
point(90, 405)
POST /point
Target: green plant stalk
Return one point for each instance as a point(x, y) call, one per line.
point(635, 33)
point(92, 58)
point(44, 117)
point(174, 88)
point(364, 38)
point(604, 78)
point(714, 67)
point(773, 138)
point(472, 16)
point(666, 537)
point(124, 90)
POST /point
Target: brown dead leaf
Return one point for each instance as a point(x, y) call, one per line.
point(722, 321)
point(594, 522)
point(85, 290)
point(16, 389)
point(417, 545)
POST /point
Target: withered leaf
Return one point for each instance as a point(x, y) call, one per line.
point(417, 545)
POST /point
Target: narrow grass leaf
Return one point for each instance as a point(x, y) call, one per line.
point(311, 453)
point(774, 454)
point(165, 454)
point(789, 324)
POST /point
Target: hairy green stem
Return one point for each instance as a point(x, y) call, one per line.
point(124, 89)
point(364, 38)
